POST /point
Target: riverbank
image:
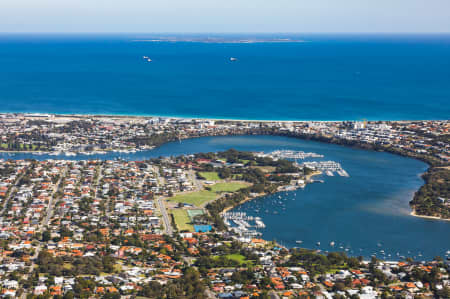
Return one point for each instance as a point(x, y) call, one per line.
point(413, 213)
point(248, 198)
point(333, 211)
point(147, 134)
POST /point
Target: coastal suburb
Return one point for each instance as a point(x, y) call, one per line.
point(89, 209)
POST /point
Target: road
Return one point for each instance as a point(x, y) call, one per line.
point(11, 193)
point(167, 226)
point(50, 207)
point(99, 177)
point(273, 295)
point(162, 207)
point(197, 184)
point(210, 294)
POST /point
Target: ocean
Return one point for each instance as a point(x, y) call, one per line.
point(326, 77)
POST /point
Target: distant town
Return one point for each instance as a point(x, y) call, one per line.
point(164, 227)
point(222, 39)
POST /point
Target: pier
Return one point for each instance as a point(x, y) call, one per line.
point(288, 154)
point(329, 167)
point(243, 225)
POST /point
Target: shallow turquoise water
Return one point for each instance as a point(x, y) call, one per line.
point(368, 209)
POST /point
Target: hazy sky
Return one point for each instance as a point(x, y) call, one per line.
point(224, 15)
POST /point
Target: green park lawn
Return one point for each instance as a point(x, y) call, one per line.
point(209, 175)
point(227, 187)
point(201, 197)
point(237, 257)
point(4, 146)
point(182, 220)
point(194, 198)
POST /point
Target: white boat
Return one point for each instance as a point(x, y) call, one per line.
point(332, 243)
point(299, 241)
point(233, 59)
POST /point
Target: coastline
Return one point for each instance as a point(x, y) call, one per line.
point(197, 117)
point(25, 152)
point(248, 198)
point(318, 138)
point(413, 213)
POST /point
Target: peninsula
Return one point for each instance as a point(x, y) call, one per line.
point(162, 227)
point(93, 134)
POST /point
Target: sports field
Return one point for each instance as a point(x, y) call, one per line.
point(209, 175)
point(201, 197)
point(182, 220)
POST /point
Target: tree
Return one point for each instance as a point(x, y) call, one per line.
point(46, 236)
point(68, 295)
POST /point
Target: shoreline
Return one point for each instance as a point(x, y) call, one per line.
point(193, 117)
point(323, 139)
point(413, 213)
point(248, 198)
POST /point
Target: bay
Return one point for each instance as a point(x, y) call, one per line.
point(364, 213)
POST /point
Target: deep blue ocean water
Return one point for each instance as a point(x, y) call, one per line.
point(325, 78)
point(364, 213)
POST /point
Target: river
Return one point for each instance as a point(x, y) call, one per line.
point(364, 214)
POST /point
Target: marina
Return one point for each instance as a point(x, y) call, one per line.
point(326, 166)
point(356, 212)
point(243, 225)
point(232, 165)
point(289, 154)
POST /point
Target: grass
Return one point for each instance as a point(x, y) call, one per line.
point(195, 198)
point(182, 220)
point(266, 169)
point(21, 147)
point(201, 197)
point(227, 187)
point(117, 267)
point(238, 258)
point(209, 175)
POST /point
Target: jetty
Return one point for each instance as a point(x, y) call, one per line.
point(242, 224)
point(289, 154)
point(329, 167)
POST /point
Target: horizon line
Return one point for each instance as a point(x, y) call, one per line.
point(229, 32)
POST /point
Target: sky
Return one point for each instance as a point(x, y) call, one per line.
point(225, 16)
